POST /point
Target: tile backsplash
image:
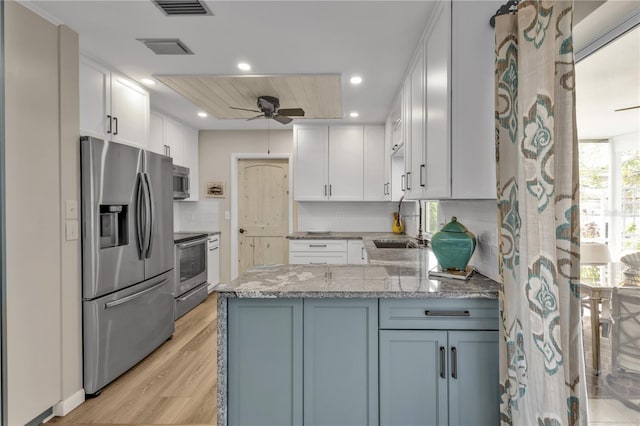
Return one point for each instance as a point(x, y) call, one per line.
point(203, 215)
point(481, 218)
point(346, 216)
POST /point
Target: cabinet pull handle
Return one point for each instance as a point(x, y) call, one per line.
point(422, 169)
point(115, 122)
point(213, 249)
point(447, 313)
point(317, 245)
point(443, 362)
point(402, 182)
point(325, 190)
point(454, 362)
point(317, 263)
point(362, 253)
point(408, 181)
point(109, 119)
point(330, 190)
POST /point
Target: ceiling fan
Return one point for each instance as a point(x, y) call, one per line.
point(270, 108)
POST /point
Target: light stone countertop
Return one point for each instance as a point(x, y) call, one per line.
point(390, 273)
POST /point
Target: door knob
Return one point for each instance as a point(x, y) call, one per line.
point(241, 230)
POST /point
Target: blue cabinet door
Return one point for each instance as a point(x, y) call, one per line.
point(340, 362)
point(413, 377)
point(265, 362)
point(473, 378)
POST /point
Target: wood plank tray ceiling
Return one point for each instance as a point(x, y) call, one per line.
point(319, 96)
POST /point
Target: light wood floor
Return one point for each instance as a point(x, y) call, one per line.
point(175, 385)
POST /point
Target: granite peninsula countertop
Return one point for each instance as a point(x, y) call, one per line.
point(390, 273)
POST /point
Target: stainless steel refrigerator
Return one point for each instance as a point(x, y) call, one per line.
point(127, 257)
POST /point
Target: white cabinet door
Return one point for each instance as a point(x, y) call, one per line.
point(130, 112)
point(156, 133)
point(174, 140)
point(416, 79)
point(213, 260)
point(388, 139)
point(374, 163)
point(346, 165)
point(406, 132)
point(95, 99)
point(311, 148)
point(472, 104)
point(356, 254)
point(437, 177)
point(190, 157)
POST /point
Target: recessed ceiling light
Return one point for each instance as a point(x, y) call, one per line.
point(356, 79)
point(244, 66)
point(353, 114)
point(202, 114)
point(148, 81)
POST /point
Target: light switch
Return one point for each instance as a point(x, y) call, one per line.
point(71, 209)
point(227, 215)
point(71, 229)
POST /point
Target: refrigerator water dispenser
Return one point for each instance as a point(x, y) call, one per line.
point(113, 225)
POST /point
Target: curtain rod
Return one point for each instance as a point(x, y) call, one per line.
point(509, 7)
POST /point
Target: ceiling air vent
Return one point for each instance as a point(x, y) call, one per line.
point(182, 7)
point(166, 46)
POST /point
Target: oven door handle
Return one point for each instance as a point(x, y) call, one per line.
point(191, 243)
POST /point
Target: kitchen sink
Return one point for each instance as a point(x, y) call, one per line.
point(404, 244)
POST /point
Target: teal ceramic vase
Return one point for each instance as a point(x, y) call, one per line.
point(453, 245)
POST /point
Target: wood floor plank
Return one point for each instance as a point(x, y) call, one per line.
point(175, 385)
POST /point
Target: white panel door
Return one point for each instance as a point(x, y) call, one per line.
point(437, 177)
point(95, 99)
point(156, 133)
point(346, 163)
point(374, 163)
point(311, 148)
point(174, 139)
point(190, 160)
point(130, 111)
point(356, 254)
point(415, 185)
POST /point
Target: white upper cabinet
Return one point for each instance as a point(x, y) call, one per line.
point(346, 163)
point(376, 164)
point(435, 168)
point(339, 163)
point(311, 151)
point(173, 139)
point(472, 102)
point(112, 107)
point(447, 106)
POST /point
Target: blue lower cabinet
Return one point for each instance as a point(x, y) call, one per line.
point(473, 378)
point(340, 362)
point(264, 362)
point(413, 377)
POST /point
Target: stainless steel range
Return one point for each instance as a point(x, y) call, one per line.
point(191, 271)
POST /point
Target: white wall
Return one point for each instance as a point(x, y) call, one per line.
point(481, 218)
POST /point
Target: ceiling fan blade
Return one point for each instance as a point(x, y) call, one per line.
point(256, 117)
point(625, 109)
point(283, 119)
point(291, 112)
point(244, 109)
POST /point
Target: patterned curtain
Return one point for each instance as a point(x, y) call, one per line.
point(542, 364)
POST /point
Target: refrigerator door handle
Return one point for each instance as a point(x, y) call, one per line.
point(150, 214)
point(133, 296)
point(139, 216)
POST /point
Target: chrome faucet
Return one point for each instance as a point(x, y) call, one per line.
point(422, 240)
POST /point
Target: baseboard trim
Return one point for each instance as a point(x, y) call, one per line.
point(65, 406)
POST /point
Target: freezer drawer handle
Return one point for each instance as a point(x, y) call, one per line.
point(447, 313)
point(133, 296)
point(317, 245)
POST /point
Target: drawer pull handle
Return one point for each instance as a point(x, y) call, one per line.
point(454, 362)
point(317, 245)
point(443, 361)
point(317, 263)
point(447, 313)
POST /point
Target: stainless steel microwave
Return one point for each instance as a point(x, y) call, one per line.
point(180, 182)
